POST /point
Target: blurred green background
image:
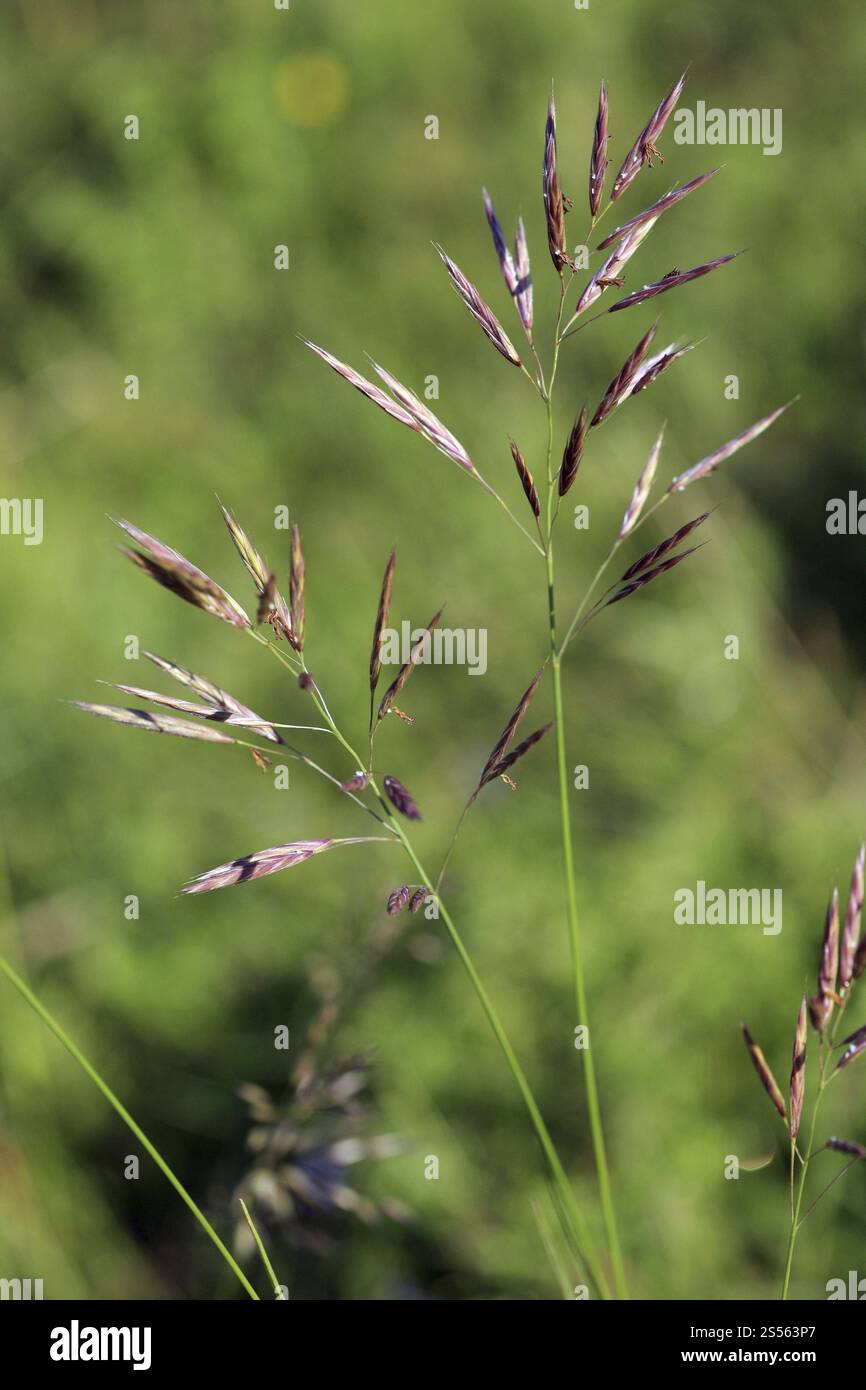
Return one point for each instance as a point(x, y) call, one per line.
point(155, 257)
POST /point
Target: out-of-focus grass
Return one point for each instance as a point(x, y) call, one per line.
point(155, 257)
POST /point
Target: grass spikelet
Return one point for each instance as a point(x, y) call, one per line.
point(768, 1080)
point(267, 861)
point(526, 482)
point(672, 281)
point(296, 591)
point(367, 388)
point(621, 385)
point(658, 552)
point(851, 933)
point(427, 423)
point(821, 1007)
point(500, 768)
point(381, 620)
point(642, 488)
point(709, 464)
point(480, 311)
point(645, 147)
point(506, 261)
point(653, 213)
point(846, 1146)
point(524, 279)
point(154, 723)
point(271, 601)
point(608, 273)
point(598, 160)
point(554, 207)
point(217, 714)
point(503, 743)
point(175, 573)
point(401, 799)
point(798, 1071)
point(647, 578)
point(854, 1045)
point(418, 899)
point(572, 453)
point(415, 655)
point(398, 900)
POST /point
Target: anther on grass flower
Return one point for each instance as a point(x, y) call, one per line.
point(651, 557)
point(175, 573)
point(598, 160)
point(645, 147)
point(798, 1070)
point(417, 900)
point(267, 861)
point(851, 933)
point(847, 1146)
point(821, 1006)
point(621, 385)
point(400, 798)
point(398, 900)
point(529, 488)
point(296, 591)
point(642, 489)
point(572, 454)
point(854, 1046)
point(480, 311)
point(651, 214)
point(671, 281)
point(768, 1080)
point(554, 208)
point(271, 601)
point(381, 623)
point(503, 743)
point(418, 651)
point(708, 465)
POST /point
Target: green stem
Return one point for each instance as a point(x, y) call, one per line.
point(260, 1246)
point(62, 1037)
point(592, 1098)
point(589, 1256)
point(583, 1238)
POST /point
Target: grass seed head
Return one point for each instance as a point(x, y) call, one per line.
point(768, 1080)
point(400, 798)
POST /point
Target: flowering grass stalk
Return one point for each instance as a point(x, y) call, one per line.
point(841, 964)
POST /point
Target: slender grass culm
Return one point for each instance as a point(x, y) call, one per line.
point(354, 760)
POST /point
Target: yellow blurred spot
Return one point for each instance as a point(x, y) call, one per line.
point(311, 89)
